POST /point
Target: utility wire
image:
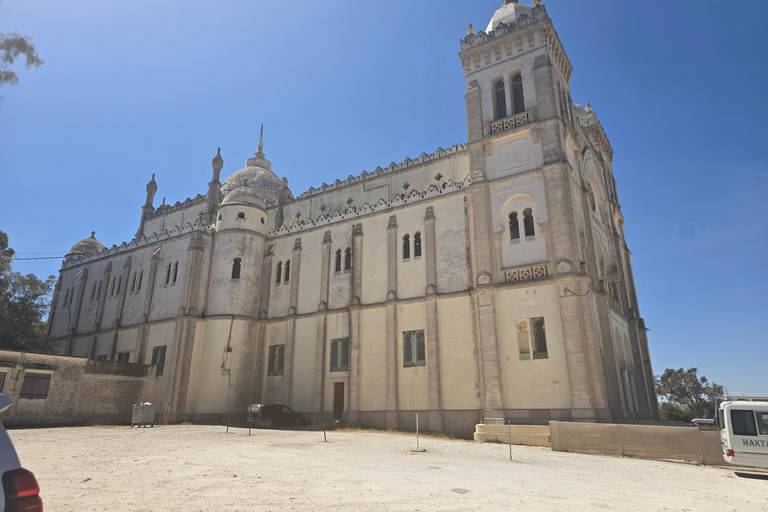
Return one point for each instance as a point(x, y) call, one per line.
point(44, 258)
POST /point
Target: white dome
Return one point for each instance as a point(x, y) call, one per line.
point(508, 13)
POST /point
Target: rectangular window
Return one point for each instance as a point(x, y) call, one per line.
point(762, 421)
point(414, 349)
point(35, 386)
point(539, 338)
point(158, 359)
point(276, 358)
point(340, 355)
point(743, 423)
point(123, 357)
point(2, 381)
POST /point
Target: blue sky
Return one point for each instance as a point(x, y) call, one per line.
point(134, 88)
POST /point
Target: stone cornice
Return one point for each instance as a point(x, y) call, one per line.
point(164, 209)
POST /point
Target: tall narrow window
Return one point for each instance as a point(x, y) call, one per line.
point(168, 274)
point(112, 289)
point(528, 222)
point(158, 359)
point(539, 338)
point(276, 358)
point(141, 277)
point(514, 227)
point(93, 291)
point(236, 269)
point(66, 298)
point(499, 99)
point(175, 271)
point(347, 258)
point(406, 247)
point(119, 283)
point(414, 349)
point(287, 271)
point(338, 260)
point(98, 291)
point(417, 245)
point(518, 101)
point(339, 355)
point(279, 276)
point(71, 295)
point(591, 197)
point(133, 282)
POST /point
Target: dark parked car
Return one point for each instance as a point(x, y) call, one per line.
point(275, 415)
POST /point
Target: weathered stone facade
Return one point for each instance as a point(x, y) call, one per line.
point(491, 280)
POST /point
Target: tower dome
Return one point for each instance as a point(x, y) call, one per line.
point(243, 194)
point(508, 13)
point(85, 247)
point(256, 175)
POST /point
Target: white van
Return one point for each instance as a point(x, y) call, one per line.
point(743, 425)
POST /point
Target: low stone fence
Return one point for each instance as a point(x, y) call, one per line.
point(645, 441)
point(62, 390)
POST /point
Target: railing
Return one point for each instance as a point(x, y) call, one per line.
point(510, 122)
point(526, 273)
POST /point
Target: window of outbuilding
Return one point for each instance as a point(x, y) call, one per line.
point(236, 269)
point(417, 245)
point(530, 230)
point(347, 258)
point(414, 349)
point(539, 338)
point(35, 386)
point(339, 355)
point(406, 247)
point(158, 359)
point(276, 358)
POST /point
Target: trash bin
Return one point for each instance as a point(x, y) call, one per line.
point(143, 414)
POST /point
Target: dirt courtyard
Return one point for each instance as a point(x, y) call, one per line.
point(201, 468)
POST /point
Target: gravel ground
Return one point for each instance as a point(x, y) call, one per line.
point(202, 468)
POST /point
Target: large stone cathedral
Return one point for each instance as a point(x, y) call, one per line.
point(489, 281)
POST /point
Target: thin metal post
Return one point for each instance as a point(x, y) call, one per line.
point(417, 431)
point(509, 425)
point(229, 410)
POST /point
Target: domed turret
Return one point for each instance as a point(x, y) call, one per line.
point(85, 247)
point(243, 194)
point(256, 175)
point(508, 13)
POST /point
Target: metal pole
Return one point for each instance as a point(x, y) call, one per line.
point(229, 410)
point(417, 431)
point(509, 425)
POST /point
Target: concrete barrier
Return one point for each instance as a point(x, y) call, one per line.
point(644, 441)
point(527, 435)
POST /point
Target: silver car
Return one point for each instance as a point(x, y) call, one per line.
point(19, 486)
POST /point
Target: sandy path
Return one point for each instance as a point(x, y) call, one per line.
point(203, 468)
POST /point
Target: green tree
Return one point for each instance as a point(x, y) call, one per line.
point(24, 302)
point(686, 396)
point(12, 46)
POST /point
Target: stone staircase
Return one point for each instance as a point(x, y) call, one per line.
point(528, 435)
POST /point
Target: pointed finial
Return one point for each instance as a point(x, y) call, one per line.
point(589, 107)
point(536, 3)
point(260, 152)
point(470, 30)
point(153, 176)
point(163, 201)
point(217, 162)
point(93, 234)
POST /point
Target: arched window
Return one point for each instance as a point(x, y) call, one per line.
point(93, 291)
point(347, 258)
point(71, 295)
point(236, 268)
point(591, 197)
point(175, 271)
point(499, 99)
point(406, 247)
point(338, 260)
point(112, 290)
point(141, 277)
point(287, 271)
point(528, 222)
point(119, 283)
point(417, 245)
point(279, 272)
point(66, 297)
point(98, 291)
point(518, 101)
point(133, 282)
point(514, 227)
point(168, 274)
